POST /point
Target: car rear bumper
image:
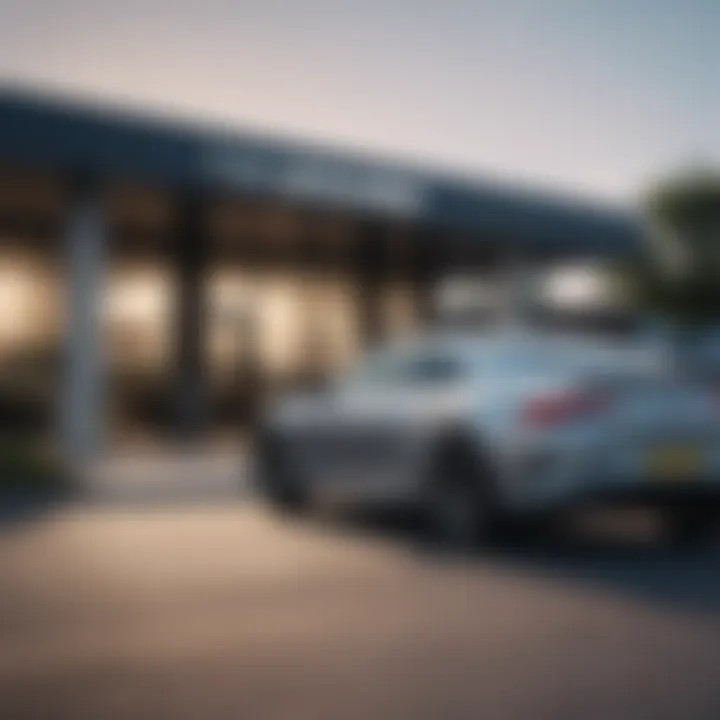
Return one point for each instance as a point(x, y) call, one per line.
point(593, 479)
point(545, 472)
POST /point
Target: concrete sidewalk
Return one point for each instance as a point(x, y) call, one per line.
point(168, 475)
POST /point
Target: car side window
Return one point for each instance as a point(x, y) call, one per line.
point(409, 369)
point(434, 369)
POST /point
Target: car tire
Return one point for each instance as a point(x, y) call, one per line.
point(458, 507)
point(277, 482)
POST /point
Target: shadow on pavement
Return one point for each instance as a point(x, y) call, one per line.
point(19, 511)
point(685, 578)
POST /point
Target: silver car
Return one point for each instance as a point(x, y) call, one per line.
point(476, 431)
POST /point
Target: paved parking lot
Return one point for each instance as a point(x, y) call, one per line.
point(223, 612)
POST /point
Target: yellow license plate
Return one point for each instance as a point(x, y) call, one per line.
point(675, 462)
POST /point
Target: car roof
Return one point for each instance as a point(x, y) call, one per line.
point(474, 347)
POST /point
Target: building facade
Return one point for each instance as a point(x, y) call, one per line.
point(170, 277)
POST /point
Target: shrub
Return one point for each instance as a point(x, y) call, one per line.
point(27, 469)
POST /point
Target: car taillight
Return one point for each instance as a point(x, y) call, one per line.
point(561, 408)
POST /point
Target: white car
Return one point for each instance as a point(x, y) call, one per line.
point(476, 430)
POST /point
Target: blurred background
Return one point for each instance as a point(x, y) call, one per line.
point(207, 205)
point(274, 188)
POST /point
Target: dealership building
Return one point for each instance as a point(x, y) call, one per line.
point(163, 277)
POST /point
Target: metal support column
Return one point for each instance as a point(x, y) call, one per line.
point(370, 264)
point(190, 257)
point(82, 394)
point(426, 271)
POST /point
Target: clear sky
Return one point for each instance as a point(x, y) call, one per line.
point(592, 96)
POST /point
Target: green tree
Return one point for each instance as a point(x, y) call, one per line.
point(678, 277)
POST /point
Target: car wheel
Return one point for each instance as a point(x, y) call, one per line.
point(459, 509)
point(277, 481)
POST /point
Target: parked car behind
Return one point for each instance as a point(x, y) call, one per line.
point(476, 431)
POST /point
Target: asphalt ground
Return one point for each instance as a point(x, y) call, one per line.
point(221, 610)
